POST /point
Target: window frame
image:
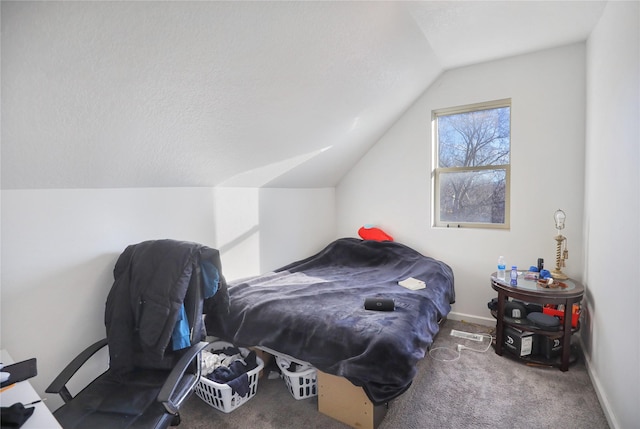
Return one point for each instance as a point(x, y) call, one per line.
point(437, 171)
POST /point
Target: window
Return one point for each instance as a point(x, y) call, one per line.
point(472, 165)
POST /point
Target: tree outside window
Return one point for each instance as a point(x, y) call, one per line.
point(472, 165)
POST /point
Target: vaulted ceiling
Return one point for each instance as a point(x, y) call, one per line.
point(290, 94)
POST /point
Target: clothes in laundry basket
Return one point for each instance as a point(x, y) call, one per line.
point(230, 367)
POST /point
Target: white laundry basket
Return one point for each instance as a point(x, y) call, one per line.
point(302, 384)
point(220, 396)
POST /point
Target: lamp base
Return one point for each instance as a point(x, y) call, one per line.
point(557, 274)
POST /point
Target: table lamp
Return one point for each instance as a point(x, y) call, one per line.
point(561, 247)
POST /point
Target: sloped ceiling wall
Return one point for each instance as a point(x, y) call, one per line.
point(281, 94)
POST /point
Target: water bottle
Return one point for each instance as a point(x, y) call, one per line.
point(502, 266)
point(514, 275)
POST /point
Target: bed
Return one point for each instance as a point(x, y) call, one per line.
point(313, 310)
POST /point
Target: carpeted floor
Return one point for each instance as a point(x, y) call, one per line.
point(476, 390)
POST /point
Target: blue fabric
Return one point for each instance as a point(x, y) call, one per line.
point(211, 278)
point(180, 337)
point(240, 385)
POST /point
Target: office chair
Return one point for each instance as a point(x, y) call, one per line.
point(154, 328)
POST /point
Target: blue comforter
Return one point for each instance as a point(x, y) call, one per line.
point(313, 310)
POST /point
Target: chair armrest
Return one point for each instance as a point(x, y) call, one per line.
point(59, 385)
point(172, 405)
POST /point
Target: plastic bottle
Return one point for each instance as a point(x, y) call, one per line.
point(502, 266)
point(514, 275)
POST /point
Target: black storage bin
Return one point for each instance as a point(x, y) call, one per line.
point(549, 347)
point(520, 343)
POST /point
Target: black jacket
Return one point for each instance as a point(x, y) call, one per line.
point(151, 281)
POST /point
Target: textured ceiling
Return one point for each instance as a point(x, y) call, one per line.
point(291, 94)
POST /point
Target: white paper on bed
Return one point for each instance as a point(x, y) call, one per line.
point(413, 284)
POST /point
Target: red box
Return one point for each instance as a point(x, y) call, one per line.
point(575, 314)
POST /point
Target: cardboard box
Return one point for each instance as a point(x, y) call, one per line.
point(520, 343)
point(340, 399)
point(266, 358)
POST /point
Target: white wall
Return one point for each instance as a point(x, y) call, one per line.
point(612, 212)
point(260, 230)
point(59, 248)
point(391, 185)
point(300, 223)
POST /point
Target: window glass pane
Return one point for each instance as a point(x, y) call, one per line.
point(473, 196)
point(473, 139)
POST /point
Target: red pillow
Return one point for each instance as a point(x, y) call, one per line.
point(369, 232)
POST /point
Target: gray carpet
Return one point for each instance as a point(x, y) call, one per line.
point(478, 390)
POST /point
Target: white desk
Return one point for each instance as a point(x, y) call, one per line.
point(25, 393)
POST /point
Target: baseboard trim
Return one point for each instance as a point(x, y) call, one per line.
point(602, 398)
point(485, 321)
